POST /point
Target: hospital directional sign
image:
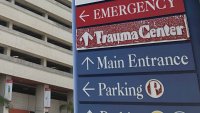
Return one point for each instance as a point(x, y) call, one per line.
point(98, 108)
point(136, 56)
point(166, 29)
point(140, 88)
point(121, 10)
point(137, 59)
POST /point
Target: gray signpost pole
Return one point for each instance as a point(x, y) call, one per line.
point(136, 56)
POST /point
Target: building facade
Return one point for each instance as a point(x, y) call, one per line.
point(35, 56)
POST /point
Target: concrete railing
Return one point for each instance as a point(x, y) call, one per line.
point(35, 21)
point(24, 69)
point(38, 47)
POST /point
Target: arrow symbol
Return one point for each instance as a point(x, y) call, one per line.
point(89, 111)
point(85, 89)
point(86, 36)
point(82, 16)
point(87, 60)
point(157, 112)
point(179, 112)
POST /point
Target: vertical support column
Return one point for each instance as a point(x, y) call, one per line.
point(12, 1)
point(7, 51)
point(40, 95)
point(70, 96)
point(44, 62)
point(10, 25)
point(45, 38)
point(71, 70)
point(4, 106)
point(70, 99)
point(46, 15)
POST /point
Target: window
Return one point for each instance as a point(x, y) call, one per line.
point(3, 23)
point(20, 88)
point(65, 46)
point(28, 32)
point(28, 8)
point(58, 21)
point(59, 96)
point(1, 50)
point(65, 3)
point(25, 57)
point(58, 67)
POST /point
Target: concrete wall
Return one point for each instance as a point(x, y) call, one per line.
point(20, 69)
point(50, 7)
point(30, 44)
point(23, 101)
point(11, 39)
point(35, 47)
point(27, 102)
point(34, 21)
point(55, 106)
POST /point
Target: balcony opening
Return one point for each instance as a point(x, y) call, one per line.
point(59, 22)
point(65, 3)
point(25, 6)
point(3, 23)
point(58, 67)
point(25, 57)
point(28, 32)
point(60, 44)
point(1, 50)
point(20, 88)
point(59, 96)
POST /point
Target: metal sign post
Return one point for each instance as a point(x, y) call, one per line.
point(136, 56)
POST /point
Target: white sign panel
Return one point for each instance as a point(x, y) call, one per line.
point(8, 90)
point(81, 2)
point(47, 98)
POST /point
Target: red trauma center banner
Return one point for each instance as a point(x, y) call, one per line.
point(166, 29)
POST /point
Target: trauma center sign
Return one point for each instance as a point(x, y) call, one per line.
point(166, 29)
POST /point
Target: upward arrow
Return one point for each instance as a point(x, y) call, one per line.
point(86, 36)
point(87, 60)
point(179, 112)
point(89, 111)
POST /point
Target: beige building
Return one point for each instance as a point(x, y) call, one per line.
point(35, 56)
